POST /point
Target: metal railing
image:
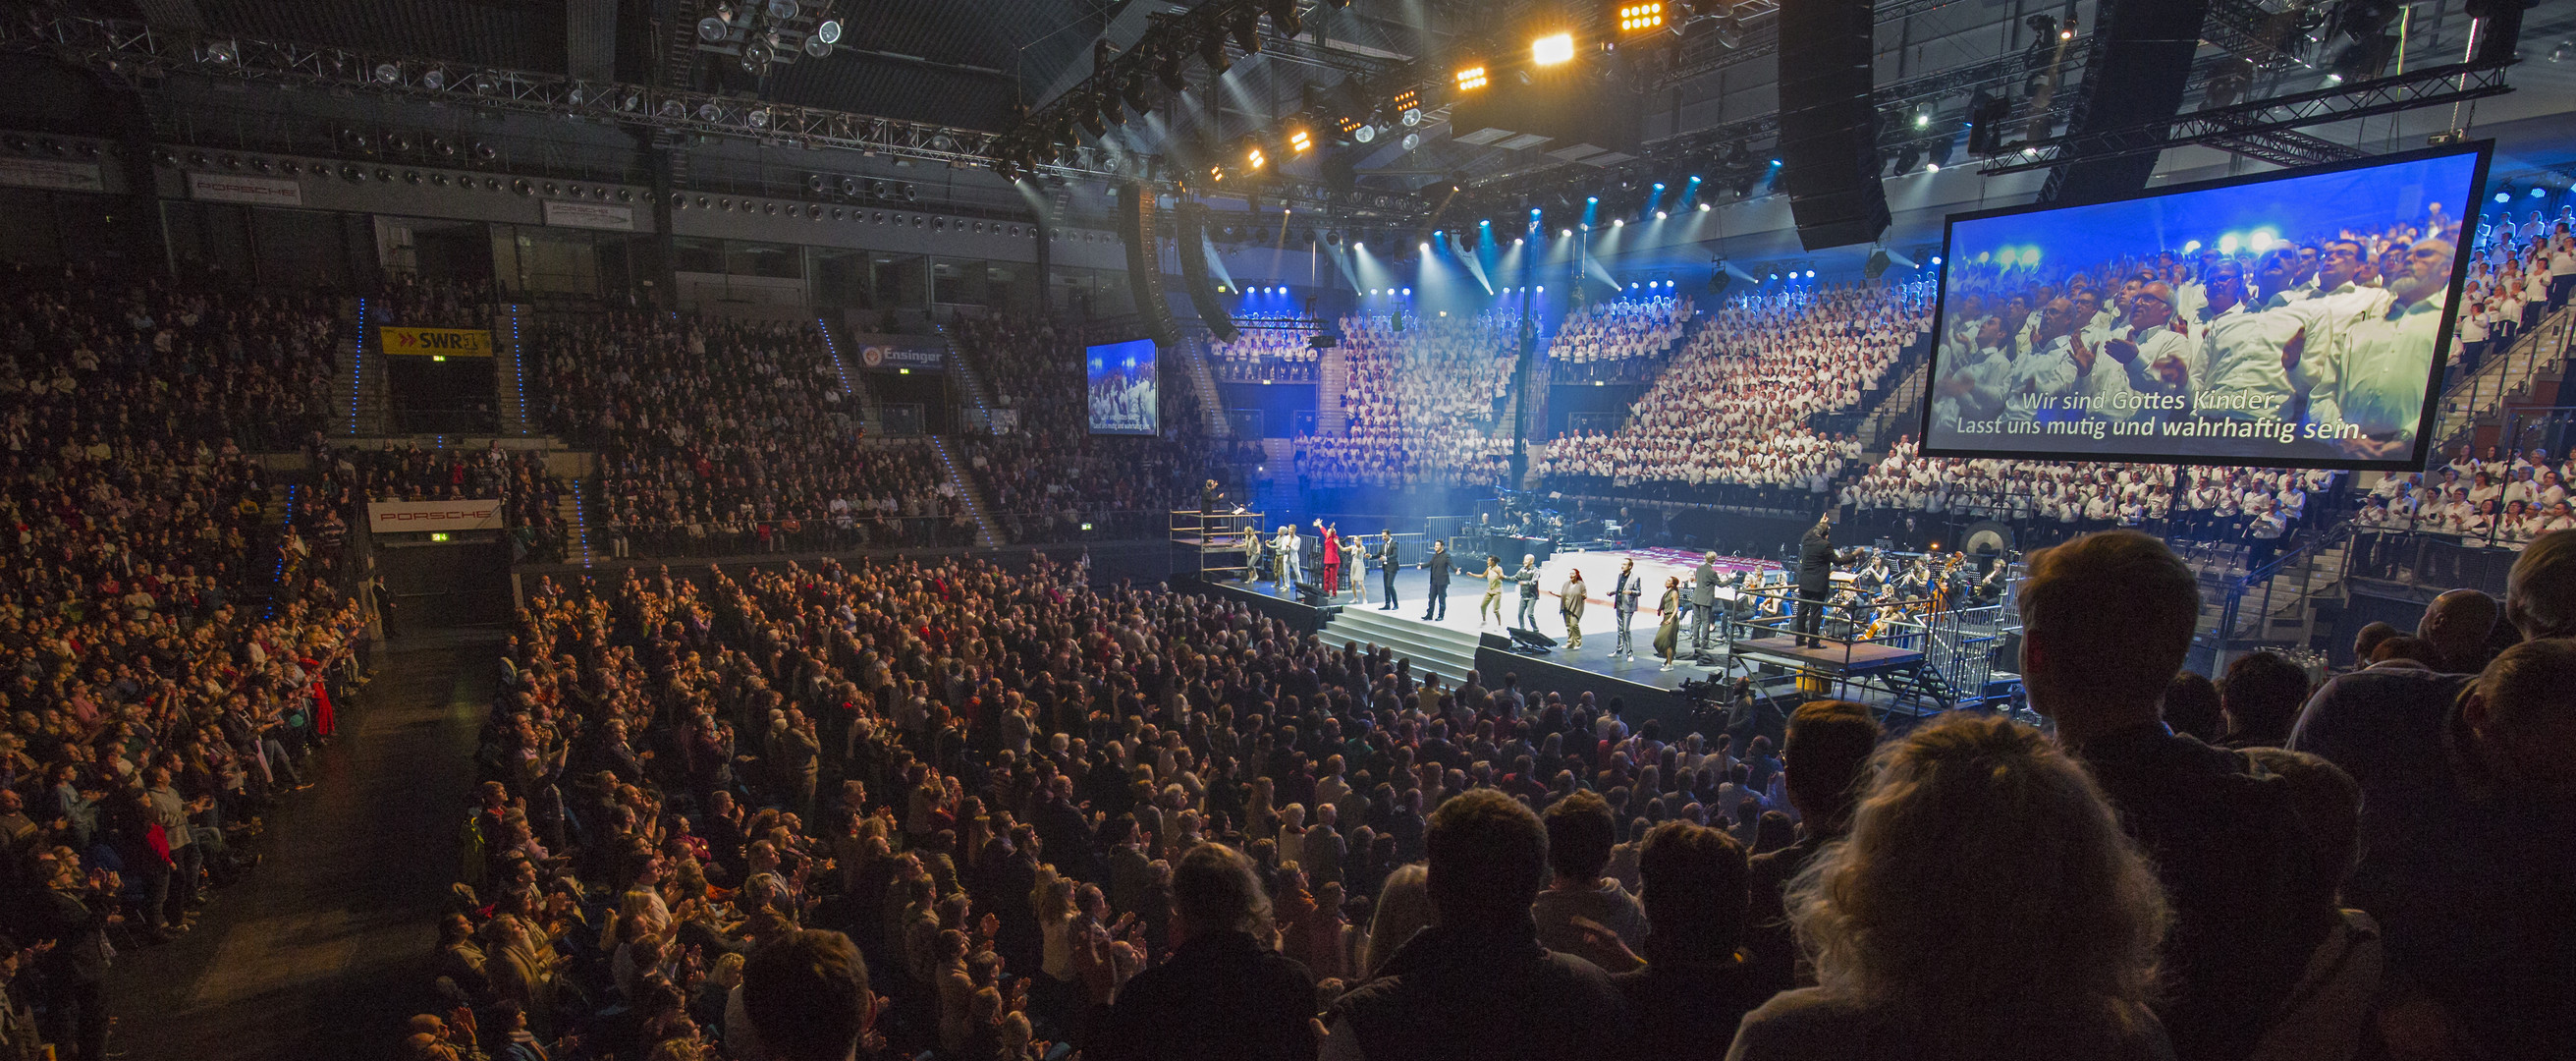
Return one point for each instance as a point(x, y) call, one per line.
point(2501, 376)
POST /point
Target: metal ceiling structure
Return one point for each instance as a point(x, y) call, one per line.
point(959, 81)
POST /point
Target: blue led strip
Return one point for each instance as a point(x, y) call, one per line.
point(358, 366)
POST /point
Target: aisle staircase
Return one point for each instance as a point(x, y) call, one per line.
point(571, 511)
point(1330, 419)
point(970, 381)
point(1203, 383)
point(510, 369)
point(1433, 649)
point(359, 394)
point(2527, 375)
point(1278, 497)
point(986, 535)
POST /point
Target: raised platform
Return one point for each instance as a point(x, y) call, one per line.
point(1836, 659)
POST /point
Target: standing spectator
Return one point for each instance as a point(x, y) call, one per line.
point(1985, 907)
point(1828, 744)
point(2465, 828)
point(1580, 906)
point(2106, 621)
point(1697, 983)
point(1221, 994)
point(806, 994)
point(1477, 984)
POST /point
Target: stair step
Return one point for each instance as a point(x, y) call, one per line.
point(1433, 649)
point(985, 534)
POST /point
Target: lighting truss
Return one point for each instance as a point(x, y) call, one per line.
point(1702, 53)
point(2261, 124)
point(140, 54)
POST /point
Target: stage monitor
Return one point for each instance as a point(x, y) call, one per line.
point(2300, 319)
point(1122, 388)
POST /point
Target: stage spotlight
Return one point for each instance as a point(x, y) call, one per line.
point(1132, 89)
point(1284, 18)
point(1247, 31)
point(1638, 18)
point(1659, 215)
point(2539, 193)
point(1254, 158)
point(1299, 140)
point(1167, 69)
point(1471, 78)
point(1552, 49)
point(1212, 52)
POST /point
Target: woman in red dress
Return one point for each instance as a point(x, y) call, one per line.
point(1332, 580)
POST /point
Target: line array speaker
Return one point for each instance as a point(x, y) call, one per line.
point(1138, 229)
point(1828, 129)
point(2134, 73)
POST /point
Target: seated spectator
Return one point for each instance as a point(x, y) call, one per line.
point(2261, 700)
point(1946, 926)
point(2193, 705)
point(1477, 984)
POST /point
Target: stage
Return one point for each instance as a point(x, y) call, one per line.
point(1882, 674)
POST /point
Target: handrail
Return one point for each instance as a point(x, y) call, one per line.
point(2539, 348)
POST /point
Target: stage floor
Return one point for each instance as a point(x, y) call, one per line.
point(1600, 623)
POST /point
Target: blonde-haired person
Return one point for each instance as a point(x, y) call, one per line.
point(1985, 906)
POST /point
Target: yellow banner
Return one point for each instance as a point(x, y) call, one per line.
point(441, 342)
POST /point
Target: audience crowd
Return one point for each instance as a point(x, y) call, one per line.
point(719, 437)
point(1049, 476)
point(174, 626)
point(1000, 812)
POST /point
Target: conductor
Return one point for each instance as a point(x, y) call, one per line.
point(1816, 560)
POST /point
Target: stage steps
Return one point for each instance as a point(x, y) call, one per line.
point(986, 536)
point(1433, 649)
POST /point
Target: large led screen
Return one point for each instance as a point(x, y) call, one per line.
point(1122, 388)
point(2291, 319)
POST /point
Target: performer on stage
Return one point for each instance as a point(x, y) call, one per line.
point(1387, 563)
point(1670, 632)
point(1438, 565)
point(1292, 557)
point(1210, 498)
point(1570, 604)
point(1493, 592)
point(1355, 553)
point(1332, 566)
point(1527, 576)
point(1623, 604)
point(1816, 560)
point(1703, 600)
